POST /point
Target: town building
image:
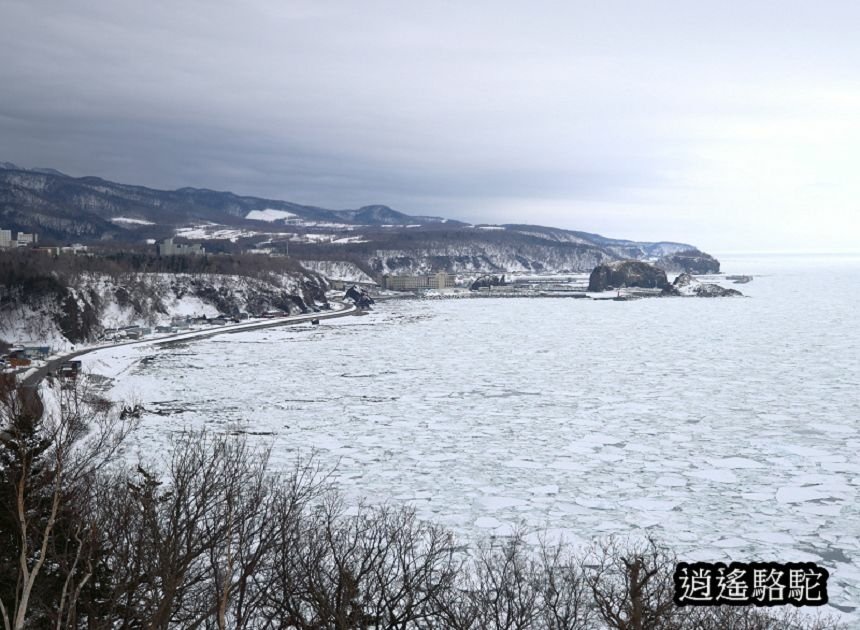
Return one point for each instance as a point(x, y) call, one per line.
point(439, 280)
point(180, 323)
point(70, 369)
point(36, 353)
point(23, 239)
point(169, 248)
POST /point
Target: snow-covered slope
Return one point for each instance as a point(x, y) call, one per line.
point(337, 270)
point(269, 214)
point(81, 311)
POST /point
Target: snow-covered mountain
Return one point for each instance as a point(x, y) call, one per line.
point(379, 239)
point(84, 208)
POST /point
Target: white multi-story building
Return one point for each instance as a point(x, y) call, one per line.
point(25, 239)
point(440, 280)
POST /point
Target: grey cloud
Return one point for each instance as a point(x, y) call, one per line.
point(431, 107)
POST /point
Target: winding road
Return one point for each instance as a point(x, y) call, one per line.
point(339, 309)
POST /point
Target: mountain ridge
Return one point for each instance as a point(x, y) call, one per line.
point(384, 240)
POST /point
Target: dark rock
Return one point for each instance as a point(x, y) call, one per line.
point(684, 280)
point(690, 261)
point(715, 290)
point(739, 279)
point(487, 282)
point(627, 273)
point(687, 285)
point(359, 297)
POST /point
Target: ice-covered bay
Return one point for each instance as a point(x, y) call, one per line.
point(727, 427)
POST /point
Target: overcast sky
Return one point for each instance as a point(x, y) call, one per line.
point(734, 125)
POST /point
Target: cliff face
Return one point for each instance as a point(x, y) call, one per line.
point(500, 249)
point(689, 261)
point(79, 310)
point(338, 270)
point(487, 257)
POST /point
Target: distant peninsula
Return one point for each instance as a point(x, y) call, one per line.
point(372, 240)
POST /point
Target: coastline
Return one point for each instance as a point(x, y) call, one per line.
point(492, 510)
point(33, 376)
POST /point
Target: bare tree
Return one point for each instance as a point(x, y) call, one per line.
point(53, 444)
point(631, 585)
point(375, 568)
point(213, 538)
point(564, 589)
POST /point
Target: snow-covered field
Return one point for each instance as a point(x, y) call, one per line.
point(269, 215)
point(727, 427)
point(217, 232)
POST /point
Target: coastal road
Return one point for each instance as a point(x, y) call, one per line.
point(339, 309)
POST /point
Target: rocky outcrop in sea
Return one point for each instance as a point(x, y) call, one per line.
point(626, 274)
point(687, 285)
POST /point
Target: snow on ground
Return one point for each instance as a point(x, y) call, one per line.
point(330, 224)
point(114, 362)
point(269, 215)
point(337, 270)
point(311, 237)
point(216, 232)
point(726, 428)
point(158, 303)
point(131, 221)
point(24, 325)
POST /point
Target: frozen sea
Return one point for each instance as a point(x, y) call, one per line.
point(729, 428)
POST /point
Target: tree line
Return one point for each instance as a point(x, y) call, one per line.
point(216, 537)
point(20, 267)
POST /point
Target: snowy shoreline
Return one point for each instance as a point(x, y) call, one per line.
point(789, 494)
point(120, 353)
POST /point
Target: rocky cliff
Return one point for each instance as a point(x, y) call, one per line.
point(78, 310)
point(689, 261)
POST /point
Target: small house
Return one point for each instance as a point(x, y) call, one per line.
point(70, 369)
